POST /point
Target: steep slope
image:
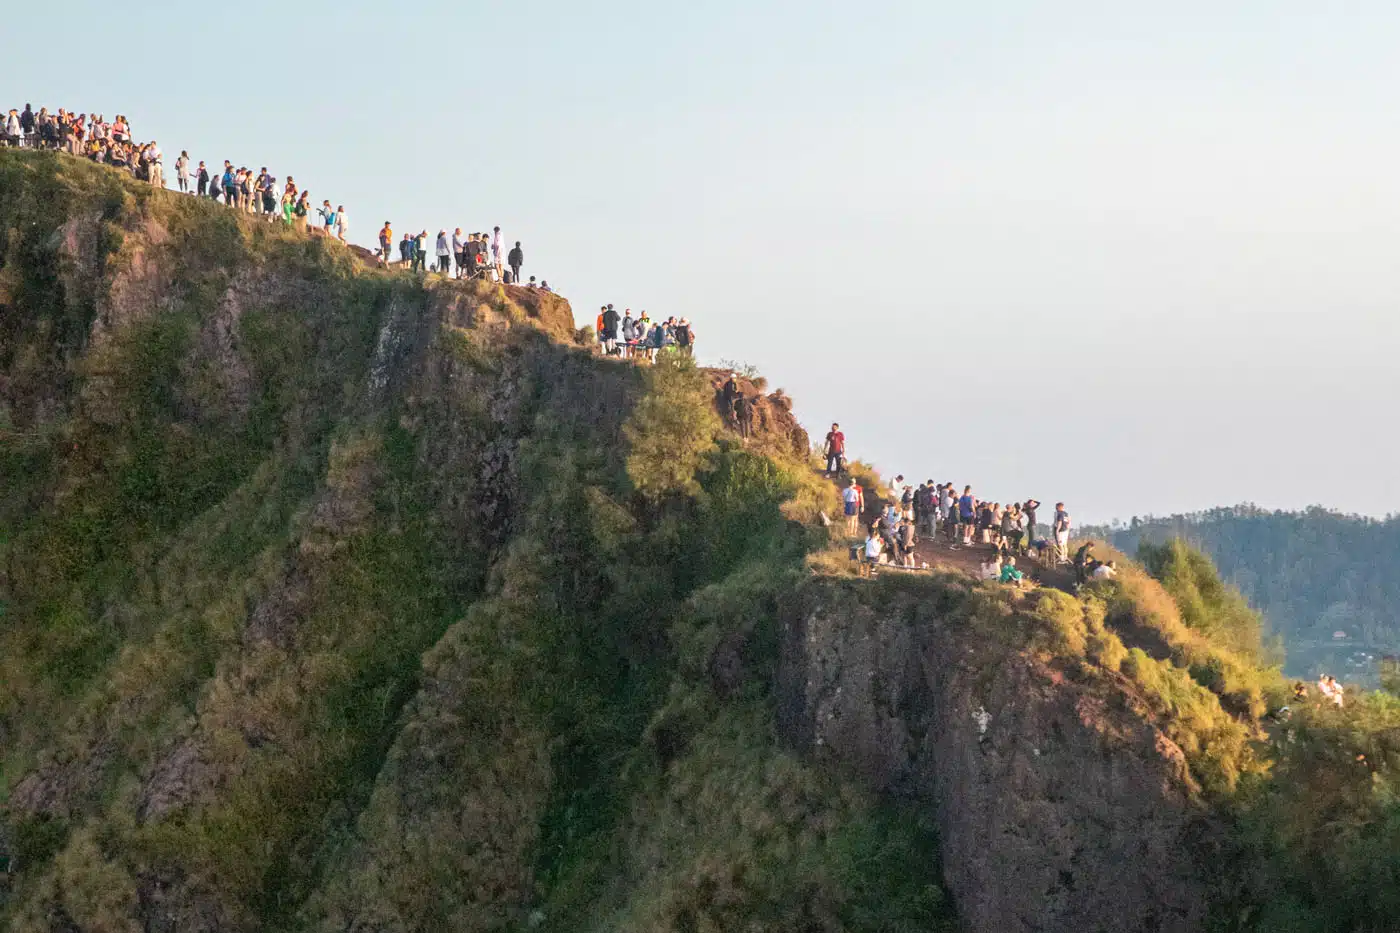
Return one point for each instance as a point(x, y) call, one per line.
point(338, 600)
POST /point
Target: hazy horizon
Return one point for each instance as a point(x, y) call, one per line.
point(1138, 260)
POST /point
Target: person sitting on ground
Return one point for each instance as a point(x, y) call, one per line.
point(990, 569)
point(544, 286)
point(907, 539)
point(873, 546)
point(1106, 571)
point(1009, 573)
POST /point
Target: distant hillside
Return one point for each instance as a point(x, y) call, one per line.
point(1312, 573)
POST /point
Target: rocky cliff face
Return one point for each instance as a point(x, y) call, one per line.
point(1060, 805)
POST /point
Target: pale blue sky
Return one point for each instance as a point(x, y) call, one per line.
point(1140, 260)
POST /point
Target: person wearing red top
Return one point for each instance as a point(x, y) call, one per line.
point(835, 450)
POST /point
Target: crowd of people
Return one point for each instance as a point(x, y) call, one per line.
point(931, 509)
point(90, 137)
point(259, 193)
point(474, 255)
point(629, 337)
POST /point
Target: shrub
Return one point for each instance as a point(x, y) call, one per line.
point(672, 430)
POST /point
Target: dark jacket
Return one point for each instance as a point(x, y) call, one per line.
point(516, 257)
point(610, 319)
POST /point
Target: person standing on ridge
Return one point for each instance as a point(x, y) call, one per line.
point(854, 498)
point(26, 124)
point(498, 254)
point(610, 322)
point(967, 515)
point(1061, 528)
point(157, 166)
point(835, 450)
point(516, 259)
point(1028, 509)
point(459, 250)
point(444, 253)
point(182, 172)
point(420, 252)
point(386, 241)
point(627, 337)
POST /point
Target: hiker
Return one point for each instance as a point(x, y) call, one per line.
point(459, 247)
point(302, 212)
point(1009, 573)
point(444, 253)
point(544, 286)
point(729, 396)
point(516, 259)
point(182, 172)
point(1106, 571)
point(26, 124)
point(990, 569)
point(685, 337)
point(406, 249)
point(609, 320)
point(420, 252)
point(967, 515)
point(873, 546)
point(14, 135)
point(201, 180)
point(327, 217)
point(744, 409)
point(1028, 509)
point(908, 537)
point(854, 499)
point(1061, 528)
point(1081, 560)
point(497, 252)
point(342, 223)
point(1013, 527)
point(386, 241)
point(835, 450)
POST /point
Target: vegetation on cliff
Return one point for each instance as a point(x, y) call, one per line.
point(334, 600)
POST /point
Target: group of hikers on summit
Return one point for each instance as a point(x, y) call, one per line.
point(932, 508)
point(629, 337)
point(247, 191)
point(475, 255)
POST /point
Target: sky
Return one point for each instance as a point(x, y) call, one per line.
point(1137, 258)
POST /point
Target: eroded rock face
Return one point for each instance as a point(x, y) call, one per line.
point(1060, 807)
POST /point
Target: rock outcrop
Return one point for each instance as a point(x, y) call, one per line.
point(1060, 805)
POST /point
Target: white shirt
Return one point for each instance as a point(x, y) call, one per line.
point(852, 494)
point(1105, 572)
point(872, 547)
point(496, 243)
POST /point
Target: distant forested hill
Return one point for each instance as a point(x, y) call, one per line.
point(1312, 573)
